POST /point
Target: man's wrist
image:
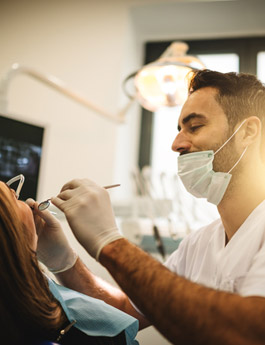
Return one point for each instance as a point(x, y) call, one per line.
point(108, 240)
point(110, 250)
point(68, 265)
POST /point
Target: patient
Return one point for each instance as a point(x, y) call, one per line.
point(32, 306)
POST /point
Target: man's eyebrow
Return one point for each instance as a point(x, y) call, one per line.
point(190, 117)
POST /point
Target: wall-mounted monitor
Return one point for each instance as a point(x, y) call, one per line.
point(20, 153)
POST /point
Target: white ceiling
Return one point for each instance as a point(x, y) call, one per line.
point(144, 2)
point(191, 19)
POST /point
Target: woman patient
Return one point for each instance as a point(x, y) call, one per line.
point(32, 306)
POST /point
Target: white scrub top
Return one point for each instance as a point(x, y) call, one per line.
point(238, 267)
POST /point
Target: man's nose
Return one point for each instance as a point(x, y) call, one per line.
point(181, 143)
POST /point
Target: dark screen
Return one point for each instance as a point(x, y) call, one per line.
point(20, 153)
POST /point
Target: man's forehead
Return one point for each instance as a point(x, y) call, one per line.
point(203, 102)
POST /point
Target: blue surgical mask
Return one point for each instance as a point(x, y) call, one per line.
point(196, 173)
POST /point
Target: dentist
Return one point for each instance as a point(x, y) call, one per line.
point(212, 289)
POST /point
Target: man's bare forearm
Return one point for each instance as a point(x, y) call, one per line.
point(80, 279)
point(184, 312)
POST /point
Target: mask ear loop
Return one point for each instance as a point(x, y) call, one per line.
point(239, 159)
point(230, 139)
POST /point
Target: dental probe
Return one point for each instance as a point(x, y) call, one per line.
point(45, 204)
point(111, 186)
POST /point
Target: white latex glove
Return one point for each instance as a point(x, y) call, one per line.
point(88, 210)
point(53, 248)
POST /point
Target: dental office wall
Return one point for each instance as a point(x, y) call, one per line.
point(93, 46)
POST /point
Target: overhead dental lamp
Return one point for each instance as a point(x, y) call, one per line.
point(163, 83)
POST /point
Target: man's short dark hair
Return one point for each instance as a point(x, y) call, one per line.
point(239, 94)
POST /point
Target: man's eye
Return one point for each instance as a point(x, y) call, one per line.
point(194, 128)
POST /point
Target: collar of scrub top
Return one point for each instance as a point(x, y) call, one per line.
point(21, 180)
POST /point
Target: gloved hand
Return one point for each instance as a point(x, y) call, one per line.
point(88, 210)
point(53, 248)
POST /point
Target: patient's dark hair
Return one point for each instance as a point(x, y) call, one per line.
point(28, 310)
point(239, 94)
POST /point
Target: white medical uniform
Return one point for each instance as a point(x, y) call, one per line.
point(238, 267)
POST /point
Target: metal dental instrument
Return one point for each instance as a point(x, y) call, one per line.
point(179, 203)
point(172, 232)
point(45, 204)
point(111, 186)
point(145, 186)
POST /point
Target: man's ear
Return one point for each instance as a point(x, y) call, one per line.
point(251, 130)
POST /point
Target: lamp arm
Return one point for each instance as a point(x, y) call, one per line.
point(59, 86)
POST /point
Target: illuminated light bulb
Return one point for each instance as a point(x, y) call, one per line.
point(165, 81)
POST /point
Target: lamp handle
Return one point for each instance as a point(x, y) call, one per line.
point(59, 86)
